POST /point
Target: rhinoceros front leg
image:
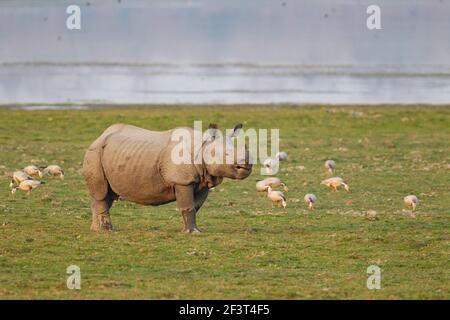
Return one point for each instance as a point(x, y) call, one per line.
point(186, 205)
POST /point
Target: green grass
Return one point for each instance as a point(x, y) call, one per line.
point(247, 250)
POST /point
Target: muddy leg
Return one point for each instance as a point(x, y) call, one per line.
point(186, 205)
point(101, 220)
point(199, 198)
point(190, 224)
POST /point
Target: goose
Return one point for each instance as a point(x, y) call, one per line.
point(33, 170)
point(411, 201)
point(18, 177)
point(371, 215)
point(310, 199)
point(27, 185)
point(276, 196)
point(54, 170)
point(281, 156)
point(274, 182)
point(330, 165)
point(335, 182)
point(271, 166)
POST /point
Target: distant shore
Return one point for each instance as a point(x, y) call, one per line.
point(85, 106)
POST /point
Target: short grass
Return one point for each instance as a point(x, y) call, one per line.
point(247, 250)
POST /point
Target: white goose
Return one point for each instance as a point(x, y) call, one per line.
point(33, 170)
point(330, 165)
point(276, 196)
point(271, 166)
point(281, 156)
point(273, 182)
point(335, 182)
point(411, 201)
point(54, 170)
point(310, 200)
point(18, 177)
point(27, 185)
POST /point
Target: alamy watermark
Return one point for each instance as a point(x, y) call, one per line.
point(237, 146)
point(74, 278)
point(73, 21)
point(373, 21)
point(374, 280)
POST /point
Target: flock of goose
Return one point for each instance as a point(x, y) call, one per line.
point(25, 179)
point(278, 197)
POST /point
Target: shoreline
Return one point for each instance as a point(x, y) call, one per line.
point(89, 106)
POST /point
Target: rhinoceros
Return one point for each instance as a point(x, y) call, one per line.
point(137, 165)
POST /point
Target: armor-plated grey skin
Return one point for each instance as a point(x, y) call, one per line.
point(136, 165)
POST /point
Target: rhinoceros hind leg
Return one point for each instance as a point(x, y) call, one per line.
point(101, 219)
point(101, 222)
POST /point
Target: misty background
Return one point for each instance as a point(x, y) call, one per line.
point(198, 51)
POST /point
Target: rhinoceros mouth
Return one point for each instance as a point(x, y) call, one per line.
point(244, 167)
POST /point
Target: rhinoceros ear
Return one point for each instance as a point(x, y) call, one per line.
point(213, 131)
point(236, 130)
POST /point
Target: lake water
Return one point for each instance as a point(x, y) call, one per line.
point(224, 51)
point(49, 83)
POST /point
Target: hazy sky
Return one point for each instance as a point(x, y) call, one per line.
point(200, 31)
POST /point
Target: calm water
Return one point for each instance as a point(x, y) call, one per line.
point(163, 83)
point(224, 51)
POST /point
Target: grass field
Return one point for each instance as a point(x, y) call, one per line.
point(247, 249)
